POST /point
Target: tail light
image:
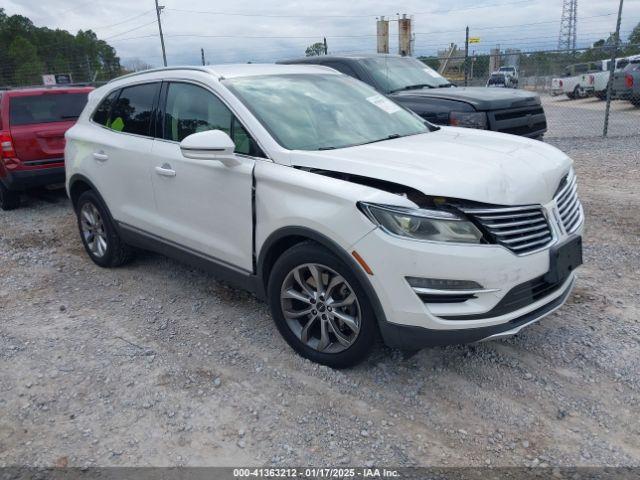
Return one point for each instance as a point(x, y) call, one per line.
point(628, 81)
point(561, 84)
point(591, 79)
point(6, 146)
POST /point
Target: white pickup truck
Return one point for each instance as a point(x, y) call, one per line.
point(585, 79)
point(577, 82)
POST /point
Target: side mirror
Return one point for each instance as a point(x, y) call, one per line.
point(208, 145)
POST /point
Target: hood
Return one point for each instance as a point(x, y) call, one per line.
point(482, 98)
point(454, 162)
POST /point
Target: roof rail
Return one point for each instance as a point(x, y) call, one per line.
point(161, 69)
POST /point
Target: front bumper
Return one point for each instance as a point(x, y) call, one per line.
point(414, 322)
point(18, 180)
point(415, 338)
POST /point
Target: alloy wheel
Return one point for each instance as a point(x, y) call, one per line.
point(321, 308)
point(93, 231)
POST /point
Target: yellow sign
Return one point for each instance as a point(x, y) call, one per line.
point(474, 39)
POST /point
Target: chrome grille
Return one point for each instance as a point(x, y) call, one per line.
point(568, 204)
point(520, 229)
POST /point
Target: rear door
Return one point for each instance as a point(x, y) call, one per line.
point(118, 145)
point(38, 123)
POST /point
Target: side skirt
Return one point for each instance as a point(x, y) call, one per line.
point(239, 278)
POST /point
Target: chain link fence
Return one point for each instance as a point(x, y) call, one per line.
point(571, 85)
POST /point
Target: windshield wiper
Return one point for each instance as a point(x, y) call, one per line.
point(413, 87)
point(389, 137)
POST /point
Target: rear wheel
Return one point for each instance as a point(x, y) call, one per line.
point(99, 236)
point(635, 100)
point(320, 308)
point(9, 200)
point(577, 92)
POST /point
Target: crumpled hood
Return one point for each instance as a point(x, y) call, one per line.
point(462, 163)
point(482, 98)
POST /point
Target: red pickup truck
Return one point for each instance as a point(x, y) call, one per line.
point(33, 122)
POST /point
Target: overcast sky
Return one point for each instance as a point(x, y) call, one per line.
point(129, 25)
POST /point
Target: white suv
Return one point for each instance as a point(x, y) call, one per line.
point(348, 213)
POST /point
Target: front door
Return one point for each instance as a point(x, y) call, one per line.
point(204, 206)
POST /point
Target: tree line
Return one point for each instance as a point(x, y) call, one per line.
point(28, 52)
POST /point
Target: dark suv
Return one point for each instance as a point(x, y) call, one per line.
point(418, 87)
point(33, 122)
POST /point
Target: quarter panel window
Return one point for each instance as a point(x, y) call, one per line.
point(133, 110)
point(101, 115)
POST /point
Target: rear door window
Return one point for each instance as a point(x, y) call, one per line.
point(46, 108)
point(134, 108)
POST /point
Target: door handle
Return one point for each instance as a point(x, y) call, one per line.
point(166, 171)
point(100, 156)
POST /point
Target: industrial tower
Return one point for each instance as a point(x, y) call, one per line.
point(568, 22)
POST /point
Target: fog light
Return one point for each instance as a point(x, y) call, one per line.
point(443, 284)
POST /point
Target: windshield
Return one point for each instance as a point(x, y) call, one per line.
point(403, 73)
point(321, 112)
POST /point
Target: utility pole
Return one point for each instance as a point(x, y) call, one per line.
point(325, 45)
point(202, 55)
point(612, 67)
point(466, 57)
point(164, 53)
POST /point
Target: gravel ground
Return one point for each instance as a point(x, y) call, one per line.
point(159, 364)
point(585, 117)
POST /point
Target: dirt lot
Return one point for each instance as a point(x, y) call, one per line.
point(158, 364)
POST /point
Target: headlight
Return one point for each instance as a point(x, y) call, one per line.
point(468, 119)
point(422, 224)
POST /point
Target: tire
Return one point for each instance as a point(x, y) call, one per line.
point(571, 96)
point(347, 343)
point(635, 100)
point(9, 200)
point(99, 236)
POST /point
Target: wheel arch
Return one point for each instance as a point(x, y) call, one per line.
point(78, 184)
point(283, 239)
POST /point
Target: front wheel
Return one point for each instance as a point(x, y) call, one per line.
point(320, 307)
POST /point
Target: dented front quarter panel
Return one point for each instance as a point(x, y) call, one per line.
point(288, 197)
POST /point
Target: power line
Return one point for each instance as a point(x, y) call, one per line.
point(273, 15)
point(128, 19)
point(130, 30)
point(196, 35)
